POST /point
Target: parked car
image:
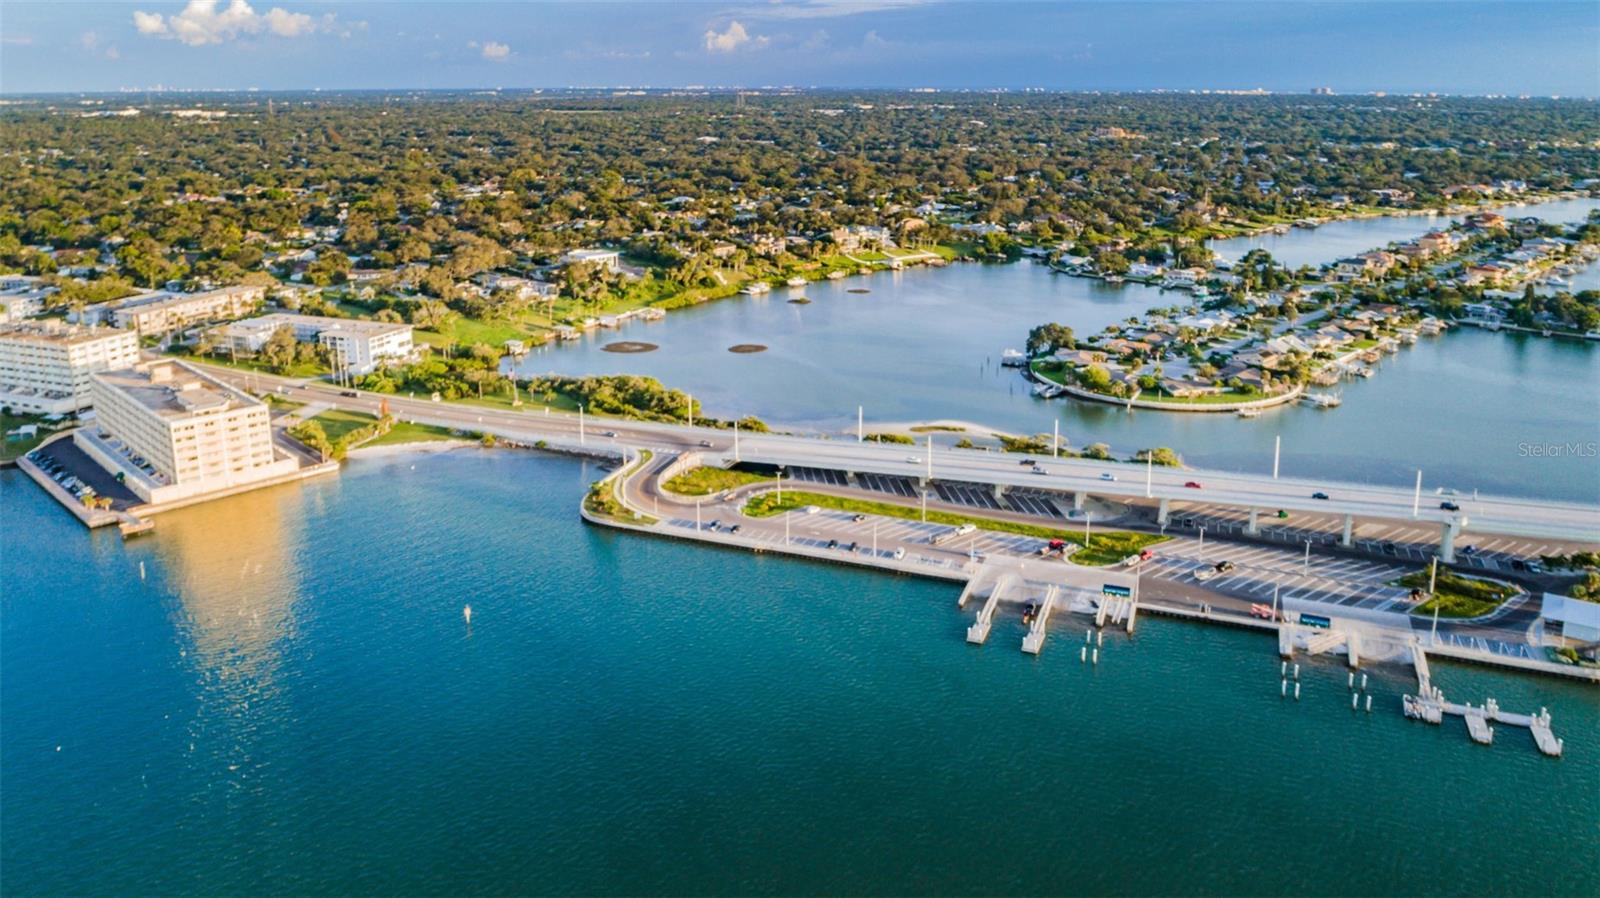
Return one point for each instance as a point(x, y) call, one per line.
point(899, 553)
point(351, 393)
point(810, 509)
point(705, 444)
point(914, 459)
point(833, 544)
point(858, 518)
point(735, 528)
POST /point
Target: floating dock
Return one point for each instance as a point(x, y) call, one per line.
point(1429, 705)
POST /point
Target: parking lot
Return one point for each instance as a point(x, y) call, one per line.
point(63, 460)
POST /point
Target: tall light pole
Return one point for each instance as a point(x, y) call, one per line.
point(924, 505)
point(1087, 517)
point(861, 433)
point(874, 539)
point(1277, 445)
point(736, 441)
point(930, 458)
point(1149, 471)
point(1307, 568)
point(1055, 441)
point(1202, 545)
point(580, 424)
point(1416, 498)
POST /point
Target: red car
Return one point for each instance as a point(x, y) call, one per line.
point(1193, 484)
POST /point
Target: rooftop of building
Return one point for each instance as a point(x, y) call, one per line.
point(173, 389)
point(52, 331)
point(321, 323)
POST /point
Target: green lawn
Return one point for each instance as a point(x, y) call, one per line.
point(336, 423)
point(10, 448)
point(1458, 596)
point(405, 432)
point(1103, 548)
point(703, 481)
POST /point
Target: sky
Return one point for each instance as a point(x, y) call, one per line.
point(1539, 48)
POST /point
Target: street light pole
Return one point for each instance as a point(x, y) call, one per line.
point(1149, 471)
point(1055, 441)
point(924, 506)
point(736, 441)
point(874, 539)
point(1087, 517)
point(1202, 545)
point(1307, 568)
point(930, 458)
point(1277, 445)
point(691, 408)
point(861, 434)
point(1416, 498)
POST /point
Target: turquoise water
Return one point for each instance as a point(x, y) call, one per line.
point(291, 702)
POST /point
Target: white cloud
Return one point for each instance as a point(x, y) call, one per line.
point(495, 51)
point(201, 22)
point(735, 37)
point(91, 42)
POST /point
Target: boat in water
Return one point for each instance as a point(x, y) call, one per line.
point(796, 282)
point(1014, 358)
point(1249, 413)
point(758, 288)
point(1322, 400)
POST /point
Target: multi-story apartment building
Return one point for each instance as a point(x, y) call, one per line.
point(175, 432)
point(45, 365)
point(161, 312)
point(358, 345)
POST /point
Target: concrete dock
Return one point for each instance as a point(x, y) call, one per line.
point(1429, 705)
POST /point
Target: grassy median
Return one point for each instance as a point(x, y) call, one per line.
point(1458, 596)
point(1104, 546)
point(704, 481)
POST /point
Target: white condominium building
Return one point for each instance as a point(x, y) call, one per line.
point(175, 432)
point(45, 365)
point(358, 345)
point(160, 313)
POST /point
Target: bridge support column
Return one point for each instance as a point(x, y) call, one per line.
point(1349, 528)
point(1447, 541)
point(1163, 511)
point(850, 477)
point(1077, 501)
point(1254, 527)
point(999, 492)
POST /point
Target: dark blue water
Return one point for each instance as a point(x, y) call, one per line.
point(291, 702)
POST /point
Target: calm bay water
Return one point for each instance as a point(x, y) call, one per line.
point(291, 702)
point(1472, 410)
point(1338, 239)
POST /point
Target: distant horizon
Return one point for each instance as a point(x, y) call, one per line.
point(622, 90)
point(1539, 48)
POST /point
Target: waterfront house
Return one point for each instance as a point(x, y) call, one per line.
point(1080, 357)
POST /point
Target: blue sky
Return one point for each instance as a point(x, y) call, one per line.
point(1450, 47)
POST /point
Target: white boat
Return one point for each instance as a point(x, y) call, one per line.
point(1322, 400)
point(1113, 278)
point(1249, 413)
point(1046, 391)
point(796, 282)
point(756, 289)
point(835, 275)
point(1012, 358)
